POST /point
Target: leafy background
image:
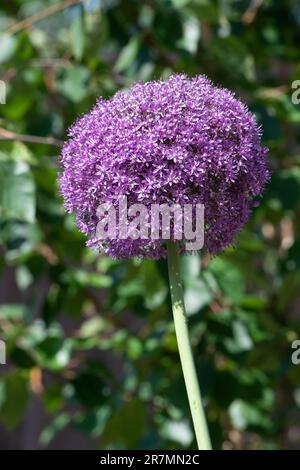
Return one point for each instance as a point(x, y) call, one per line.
point(92, 357)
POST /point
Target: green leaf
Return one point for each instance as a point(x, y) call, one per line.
point(92, 422)
point(17, 105)
point(196, 296)
point(14, 404)
point(53, 398)
point(92, 279)
point(21, 152)
point(53, 352)
point(241, 340)
point(244, 415)
point(17, 191)
point(2, 394)
point(128, 54)
point(59, 423)
point(12, 311)
point(197, 291)
point(285, 187)
point(155, 290)
point(190, 267)
point(19, 238)
point(126, 425)
point(229, 279)
point(8, 47)
point(73, 84)
point(92, 327)
point(22, 358)
point(180, 3)
point(134, 348)
point(78, 37)
point(89, 389)
point(178, 431)
point(190, 40)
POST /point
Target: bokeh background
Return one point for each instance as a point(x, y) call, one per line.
point(92, 356)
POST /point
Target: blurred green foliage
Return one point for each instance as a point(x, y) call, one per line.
point(92, 338)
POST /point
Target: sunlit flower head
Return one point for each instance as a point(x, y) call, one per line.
point(182, 141)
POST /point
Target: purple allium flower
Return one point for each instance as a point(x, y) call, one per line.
point(176, 141)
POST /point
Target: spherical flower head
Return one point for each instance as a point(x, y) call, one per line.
point(179, 141)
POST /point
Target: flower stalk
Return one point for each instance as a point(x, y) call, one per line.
point(185, 349)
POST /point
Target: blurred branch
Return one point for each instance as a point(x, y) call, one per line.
point(51, 63)
point(48, 253)
point(250, 14)
point(273, 92)
point(28, 22)
point(9, 75)
point(32, 139)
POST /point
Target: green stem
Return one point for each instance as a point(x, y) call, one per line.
point(185, 350)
